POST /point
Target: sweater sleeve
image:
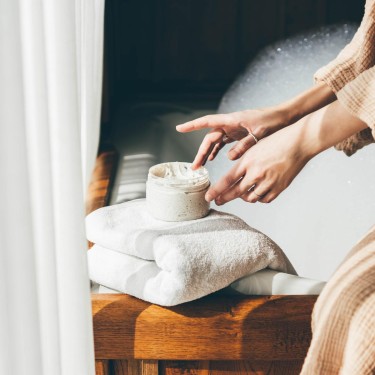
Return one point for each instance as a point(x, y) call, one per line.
point(358, 97)
point(356, 57)
point(351, 76)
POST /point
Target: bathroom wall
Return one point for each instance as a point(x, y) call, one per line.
point(195, 48)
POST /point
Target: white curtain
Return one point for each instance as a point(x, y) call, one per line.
point(50, 90)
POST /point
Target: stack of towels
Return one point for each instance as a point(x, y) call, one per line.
point(169, 263)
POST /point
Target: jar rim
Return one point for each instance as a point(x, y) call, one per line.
point(178, 174)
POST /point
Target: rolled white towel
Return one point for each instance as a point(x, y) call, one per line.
point(270, 282)
point(172, 263)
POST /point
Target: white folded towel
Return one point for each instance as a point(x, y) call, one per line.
point(172, 263)
point(264, 282)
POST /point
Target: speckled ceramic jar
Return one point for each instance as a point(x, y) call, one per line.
point(174, 192)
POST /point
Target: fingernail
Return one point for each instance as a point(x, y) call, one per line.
point(218, 202)
point(208, 197)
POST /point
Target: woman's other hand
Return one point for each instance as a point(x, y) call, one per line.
point(245, 127)
point(264, 171)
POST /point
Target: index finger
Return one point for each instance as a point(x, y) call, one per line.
point(209, 121)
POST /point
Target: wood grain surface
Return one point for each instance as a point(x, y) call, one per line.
point(216, 327)
point(99, 190)
point(139, 367)
point(102, 367)
point(193, 47)
point(229, 367)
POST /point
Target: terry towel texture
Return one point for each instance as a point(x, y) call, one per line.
point(172, 263)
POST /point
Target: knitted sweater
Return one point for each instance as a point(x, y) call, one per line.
point(352, 78)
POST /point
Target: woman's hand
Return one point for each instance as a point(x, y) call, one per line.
point(265, 170)
point(237, 126)
point(268, 168)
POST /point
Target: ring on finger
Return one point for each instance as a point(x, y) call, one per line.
point(226, 139)
point(259, 195)
point(255, 138)
point(252, 190)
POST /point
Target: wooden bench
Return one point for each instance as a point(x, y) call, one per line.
point(214, 335)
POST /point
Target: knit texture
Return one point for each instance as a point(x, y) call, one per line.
point(351, 76)
point(343, 319)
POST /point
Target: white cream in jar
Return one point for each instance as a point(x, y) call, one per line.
point(174, 192)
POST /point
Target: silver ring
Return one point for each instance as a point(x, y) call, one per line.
point(251, 188)
point(259, 196)
point(226, 139)
point(255, 138)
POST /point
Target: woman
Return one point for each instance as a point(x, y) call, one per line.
point(339, 110)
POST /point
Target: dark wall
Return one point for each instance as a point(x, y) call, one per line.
point(196, 47)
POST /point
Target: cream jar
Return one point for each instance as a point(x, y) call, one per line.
point(174, 192)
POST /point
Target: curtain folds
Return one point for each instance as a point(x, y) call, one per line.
point(50, 94)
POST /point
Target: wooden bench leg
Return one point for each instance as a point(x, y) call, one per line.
point(133, 367)
point(150, 367)
point(102, 367)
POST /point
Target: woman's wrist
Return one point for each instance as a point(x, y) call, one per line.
point(307, 102)
point(272, 119)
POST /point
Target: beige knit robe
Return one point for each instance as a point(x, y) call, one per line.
point(352, 77)
point(343, 320)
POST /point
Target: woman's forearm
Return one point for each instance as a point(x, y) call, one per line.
point(249, 126)
point(307, 102)
point(326, 127)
